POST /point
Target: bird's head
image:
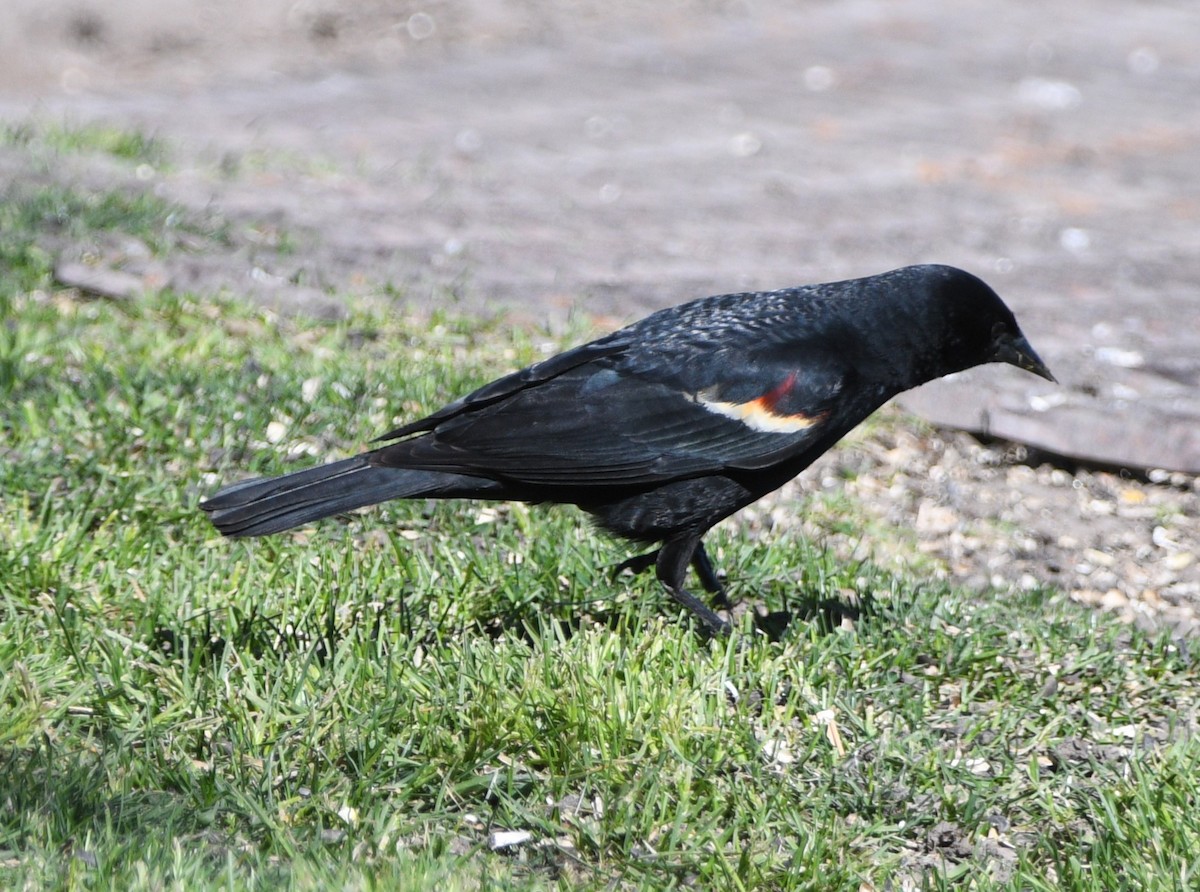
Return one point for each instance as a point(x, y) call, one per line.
point(970, 324)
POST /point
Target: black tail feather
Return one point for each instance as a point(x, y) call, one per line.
point(273, 504)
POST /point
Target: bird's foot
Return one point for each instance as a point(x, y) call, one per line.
point(713, 623)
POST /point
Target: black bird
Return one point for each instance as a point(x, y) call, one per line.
point(664, 428)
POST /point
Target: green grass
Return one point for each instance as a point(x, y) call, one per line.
point(131, 146)
point(361, 703)
point(46, 205)
point(365, 700)
point(38, 217)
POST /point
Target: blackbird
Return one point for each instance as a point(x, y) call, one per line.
point(665, 427)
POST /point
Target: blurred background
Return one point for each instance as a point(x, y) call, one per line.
point(611, 158)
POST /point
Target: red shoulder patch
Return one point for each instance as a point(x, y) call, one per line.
point(762, 413)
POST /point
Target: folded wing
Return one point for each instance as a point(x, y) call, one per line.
point(604, 421)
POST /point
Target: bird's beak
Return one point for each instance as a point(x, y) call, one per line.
point(1017, 351)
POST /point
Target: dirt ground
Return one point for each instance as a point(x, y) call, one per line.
point(608, 159)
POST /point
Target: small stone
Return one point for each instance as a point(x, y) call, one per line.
point(99, 281)
point(506, 839)
point(1113, 599)
point(936, 519)
point(1179, 560)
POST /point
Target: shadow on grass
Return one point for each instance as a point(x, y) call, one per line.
point(828, 613)
point(210, 635)
point(809, 607)
point(65, 804)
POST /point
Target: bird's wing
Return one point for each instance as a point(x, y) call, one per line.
point(528, 377)
point(608, 421)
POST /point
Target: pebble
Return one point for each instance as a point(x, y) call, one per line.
point(1108, 541)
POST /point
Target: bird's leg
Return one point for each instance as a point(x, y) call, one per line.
point(671, 565)
point(707, 574)
point(639, 563)
point(701, 563)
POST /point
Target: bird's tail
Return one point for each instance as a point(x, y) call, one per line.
point(274, 504)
